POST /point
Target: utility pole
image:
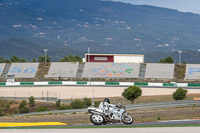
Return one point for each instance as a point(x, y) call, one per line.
point(88, 58)
point(45, 55)
point(180, 52)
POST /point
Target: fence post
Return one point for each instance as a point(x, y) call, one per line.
point(42, 96)
point(15, 95)
point(71, 98)
point(47, 95)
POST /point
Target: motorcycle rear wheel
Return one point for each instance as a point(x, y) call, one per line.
point(127, 119)
point(97, 119)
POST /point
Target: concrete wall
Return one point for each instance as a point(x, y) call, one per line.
point(128, 59)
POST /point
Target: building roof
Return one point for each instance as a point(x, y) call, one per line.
point(117, 54)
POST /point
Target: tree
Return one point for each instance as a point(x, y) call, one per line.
point(131, 93)
point(16, 59)
point(42, 58)
point(71, 58)
point(34, 60)
point(180, 94)
point(167, 60)
point(22, 60)
point(31, 101)
point(2, 60)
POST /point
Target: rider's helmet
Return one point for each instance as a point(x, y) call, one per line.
point(106, 100)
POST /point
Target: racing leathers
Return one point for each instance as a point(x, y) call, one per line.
point(106, 107)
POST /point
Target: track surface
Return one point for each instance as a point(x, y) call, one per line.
point(111, 130)
point(145, 124)
point(119, 129)
point(160, 123)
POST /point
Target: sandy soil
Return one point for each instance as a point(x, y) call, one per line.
point(67, 92)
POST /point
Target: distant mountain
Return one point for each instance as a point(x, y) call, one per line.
point(181, 5)
point(70, 26)
point(25, 49)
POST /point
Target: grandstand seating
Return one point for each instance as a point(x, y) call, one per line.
point(2, 65)
point(159, 71)
point(23, 70)
point(111, 70)
point(192, 71)
point(62, 69)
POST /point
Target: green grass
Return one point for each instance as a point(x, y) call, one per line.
point(79, 127)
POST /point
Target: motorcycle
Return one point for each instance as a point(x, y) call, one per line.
point(115, 114)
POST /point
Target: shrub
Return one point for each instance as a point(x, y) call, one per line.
point(132, 93)
point(42, 109)
point(167, 60)
point(63, 107)
point(87, 102)
point(7, 106)
point(50, 113)
point(96, 103)
point(31, 101)
point(180, 94)
point(73, 113)
point(1, 111)
point(58, 102)
point(77, 104)
point(22, 104)
point(24, 109)
point(15, 111)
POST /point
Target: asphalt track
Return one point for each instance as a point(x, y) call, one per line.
point(154, 127)
point(156, 123)
point(111, 130)
point(169, 123)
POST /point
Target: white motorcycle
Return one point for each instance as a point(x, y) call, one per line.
point(115, 114)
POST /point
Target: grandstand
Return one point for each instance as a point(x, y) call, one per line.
point(2, 65)
point(159, 71)
point(99, 71)
point(111, 70)
point(63, 70)
point(23, 70)
point(192, 72)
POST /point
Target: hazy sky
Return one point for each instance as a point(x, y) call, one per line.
point(181, 5)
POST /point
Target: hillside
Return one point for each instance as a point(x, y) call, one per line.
point(104, 26)
point(26, 49)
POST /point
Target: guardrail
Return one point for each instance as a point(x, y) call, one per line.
point(100, 84)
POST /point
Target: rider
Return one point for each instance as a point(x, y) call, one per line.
point(105, 106)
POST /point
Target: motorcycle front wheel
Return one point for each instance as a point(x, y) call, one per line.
point(97, 119)
point(127, 119)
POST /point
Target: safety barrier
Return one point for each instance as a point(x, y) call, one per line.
point(100, 84)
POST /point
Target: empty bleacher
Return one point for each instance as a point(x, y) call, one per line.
point(192, 72)
point(122, 72)
point(159, 71)
point(63, 70)
point(111, 70)
point(2, 65)
point(23, 70)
